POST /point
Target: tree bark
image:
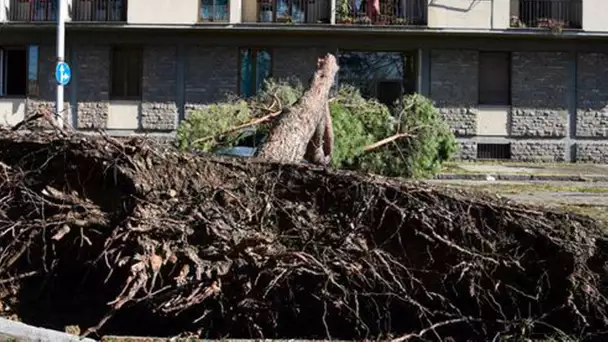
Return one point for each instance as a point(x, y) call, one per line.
point(305, 129)
point(319, 148)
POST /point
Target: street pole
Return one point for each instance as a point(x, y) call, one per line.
point(62, 8)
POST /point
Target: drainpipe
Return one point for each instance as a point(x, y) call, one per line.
point(491, 14)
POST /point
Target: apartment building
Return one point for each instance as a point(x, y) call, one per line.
point(516, 79)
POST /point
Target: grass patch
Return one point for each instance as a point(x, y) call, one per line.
point(598, 212)
point(529, 188)
point(553, 169)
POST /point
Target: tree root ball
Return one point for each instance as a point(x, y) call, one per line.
point(103, 234)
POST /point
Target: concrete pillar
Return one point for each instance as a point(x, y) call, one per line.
point(236, 11)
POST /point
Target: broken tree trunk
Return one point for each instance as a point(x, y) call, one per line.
point(304, 130)
point(320, 146)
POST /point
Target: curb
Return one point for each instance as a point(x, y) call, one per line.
point(520, 177)
point(27, 333)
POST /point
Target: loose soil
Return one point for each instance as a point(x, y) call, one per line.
point(128, 238)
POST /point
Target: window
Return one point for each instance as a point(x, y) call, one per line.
point(214, 10)
point(385, 76)
point(255, 68)
point(14, 73)
point(127, 64)
point(282, 11)
point(32, 70)
point(494, 78)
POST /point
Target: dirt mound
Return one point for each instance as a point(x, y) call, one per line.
point(154, 242)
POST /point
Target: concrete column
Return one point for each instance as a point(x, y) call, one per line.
point(332, 14)
point(236, 11)
point(594, 15)
point(4, 8)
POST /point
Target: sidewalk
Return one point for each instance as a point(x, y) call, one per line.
point(525, 172)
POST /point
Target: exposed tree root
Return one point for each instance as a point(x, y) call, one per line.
point(96, 230)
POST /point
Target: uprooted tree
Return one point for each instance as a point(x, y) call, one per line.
point(408, 140)
point(305, 129)
point(106, 234)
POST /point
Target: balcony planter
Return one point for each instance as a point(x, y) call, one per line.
point(556, 26)
point(363, 20)
point(400, 21)
point(516, 22)
point(345, 20)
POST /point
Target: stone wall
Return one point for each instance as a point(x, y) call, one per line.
point(159, 88)
point(538, 151)
point(454, 79)
point(592, 152)
point(592, 95)
point(467, 150)
point(211, 74)
point(92, 68)
point(539, 94)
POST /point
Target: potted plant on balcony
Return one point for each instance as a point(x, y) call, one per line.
point(364, 20)
point(400, 21)
point(516, 22)
point(555, 26)
point(343, 10)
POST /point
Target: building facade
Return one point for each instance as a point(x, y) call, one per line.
point(515, 79)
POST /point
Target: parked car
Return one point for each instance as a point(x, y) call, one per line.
point(247, 144)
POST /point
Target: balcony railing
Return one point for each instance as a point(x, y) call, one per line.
point(33, 10)
point(552, 14)
point(99, 10)
point(215, 10)
point(381, 12)
point(294, 11)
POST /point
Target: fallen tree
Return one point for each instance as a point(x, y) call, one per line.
point(106, 234)
point(304, 130)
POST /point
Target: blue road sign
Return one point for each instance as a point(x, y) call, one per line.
point(63, 74)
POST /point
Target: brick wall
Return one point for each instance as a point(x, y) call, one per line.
point(539, 94)
point(454, 79)
point(592, 95)
point(92, 69)
point(159, 88)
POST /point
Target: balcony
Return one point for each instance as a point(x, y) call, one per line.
point(381, 12)
point(551, 14)
point(291, 11)
point(214, 11)
point(99, 10)
point(32, 10)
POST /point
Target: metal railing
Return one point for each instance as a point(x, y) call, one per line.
point(99, 10)
point(382, 12)
point(215, 11)
point(294, 11)
point(32, 10)
point(552, 14)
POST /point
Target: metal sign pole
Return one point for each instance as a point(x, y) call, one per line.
point(61, 14)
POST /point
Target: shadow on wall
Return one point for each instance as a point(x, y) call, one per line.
point(457, 6)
